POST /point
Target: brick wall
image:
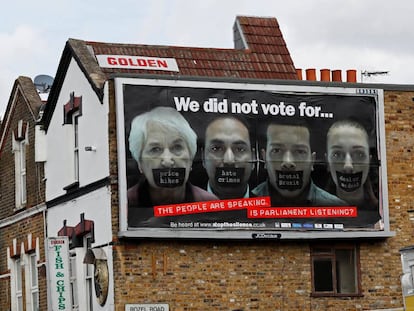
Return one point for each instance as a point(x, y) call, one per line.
point(19, 229)
point(19, 232)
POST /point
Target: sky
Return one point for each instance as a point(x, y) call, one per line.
point(366, 35)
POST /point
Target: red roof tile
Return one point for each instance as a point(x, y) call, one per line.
point(265, 45)
point(260, 53)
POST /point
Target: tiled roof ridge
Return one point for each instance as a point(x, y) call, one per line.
point(30, 93)
point(266, 55)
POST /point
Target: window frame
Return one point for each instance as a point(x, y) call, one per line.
point(33, 285)
point(20, 142)
point(72, 111)
point(75, 146)
point(88, 273)
point(73, 281)
point(329, 251)
point(17, 286)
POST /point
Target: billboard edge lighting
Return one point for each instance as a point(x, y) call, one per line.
point(236, 160)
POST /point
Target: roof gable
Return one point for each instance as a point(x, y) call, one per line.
point(24, 88)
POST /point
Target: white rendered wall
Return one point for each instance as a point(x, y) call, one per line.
point(95, 206)
point(93, 131)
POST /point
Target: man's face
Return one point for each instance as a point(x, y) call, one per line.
point(165, 160)
point(348, 157)
point(289, 159)
point(227, 157)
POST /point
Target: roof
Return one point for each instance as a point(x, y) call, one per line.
point(260, 53)
point(24, 86)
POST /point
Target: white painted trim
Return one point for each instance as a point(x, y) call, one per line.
point(243, 38)
point(22, 215)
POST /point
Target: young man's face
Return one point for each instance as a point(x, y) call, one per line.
point(348, 157)
point(227, 157)
point(289, 160)
point(165, 159)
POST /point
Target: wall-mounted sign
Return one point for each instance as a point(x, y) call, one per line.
point(57, 249)
point(137, 62)
point(147, 307)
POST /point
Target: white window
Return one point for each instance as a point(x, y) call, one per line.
point(20, 141)
point(81, 277)
point(76, 146)
point(17, 285)
point(72, 110)
point(33, 288)
point(73, 281)
point(89, 275)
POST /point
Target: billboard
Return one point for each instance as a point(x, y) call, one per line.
point(205, 159)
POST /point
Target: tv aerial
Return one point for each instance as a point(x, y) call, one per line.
point(43, 83)
point(368, 74)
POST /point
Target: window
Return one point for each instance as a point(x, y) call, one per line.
point(89, 275)
point(81, 276)
point(33, 286)
point(73, 282)
point(335, 270)
point(75, 146)
point(20, 140)
point(22, 173)
point(72, 110)
point(18, 285)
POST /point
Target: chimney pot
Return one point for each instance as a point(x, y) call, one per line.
point(325, 75)
point(311, 74)
point(351, 75)
point(299, 74)
point(337, 75)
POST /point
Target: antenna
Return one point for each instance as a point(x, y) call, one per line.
point(43, 83)
point(368, 74)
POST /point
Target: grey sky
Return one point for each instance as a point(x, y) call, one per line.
point(351, 34)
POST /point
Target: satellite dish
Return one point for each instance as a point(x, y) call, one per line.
point(43, 83)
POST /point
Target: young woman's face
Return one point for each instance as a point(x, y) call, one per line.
point(165, 160)
point(348, 157)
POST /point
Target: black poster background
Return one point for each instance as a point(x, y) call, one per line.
point(139, 99)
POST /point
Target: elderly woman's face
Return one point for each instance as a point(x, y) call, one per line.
point(165, 159)
point(348, 157)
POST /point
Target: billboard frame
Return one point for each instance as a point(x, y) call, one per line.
point(288, 87)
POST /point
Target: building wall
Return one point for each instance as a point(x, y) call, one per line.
point(35, 183)
point(16, 225)
point(93, 165)
point(94, 205)
point(19, 231)
point(251, 275)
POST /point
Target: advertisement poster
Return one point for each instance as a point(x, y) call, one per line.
point(210, 158)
